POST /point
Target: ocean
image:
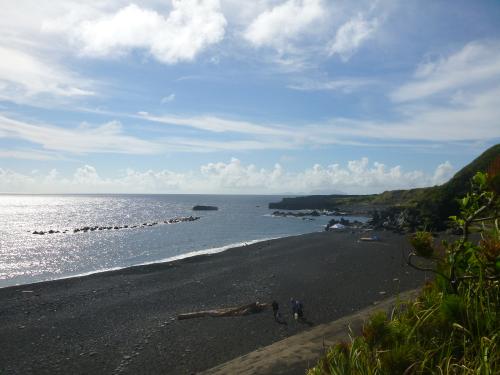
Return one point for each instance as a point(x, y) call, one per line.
point(26, 257)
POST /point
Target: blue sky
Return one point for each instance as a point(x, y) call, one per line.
point(267, 96)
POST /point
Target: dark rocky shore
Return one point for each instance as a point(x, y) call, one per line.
point(125, 321)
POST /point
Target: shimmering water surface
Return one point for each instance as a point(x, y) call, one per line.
point(25, 257)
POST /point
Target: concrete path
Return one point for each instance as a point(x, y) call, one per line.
point(294, 355)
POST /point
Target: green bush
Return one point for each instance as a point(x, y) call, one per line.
point(423, 243)
point(376, 332)
point(452, 309)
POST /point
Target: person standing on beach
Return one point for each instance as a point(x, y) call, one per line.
point(300, 309)
point(295, 313)
point(297, 308)
point(276, 308)
point(276, 312)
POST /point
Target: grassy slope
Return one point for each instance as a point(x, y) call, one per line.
point(439, 202)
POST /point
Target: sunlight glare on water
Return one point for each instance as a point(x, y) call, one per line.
point(27, 257)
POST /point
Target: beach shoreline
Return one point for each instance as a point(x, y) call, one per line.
point(175, 258)
point(124, 321)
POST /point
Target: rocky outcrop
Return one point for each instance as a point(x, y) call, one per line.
point(397, 219)
point(296, 214)
point(347, 223)
point(313, 213)
point(205, 208)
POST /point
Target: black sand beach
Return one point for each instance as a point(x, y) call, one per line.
point(125, 321)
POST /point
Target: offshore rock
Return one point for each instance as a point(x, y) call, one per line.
point(205, 208)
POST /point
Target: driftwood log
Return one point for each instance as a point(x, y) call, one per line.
point(369, 239)
point(251, 308)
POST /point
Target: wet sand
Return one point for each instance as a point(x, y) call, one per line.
point(124, 322)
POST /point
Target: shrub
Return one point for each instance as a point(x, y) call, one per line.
point(422, 242)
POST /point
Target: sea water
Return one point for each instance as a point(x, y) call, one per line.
point(26, 257)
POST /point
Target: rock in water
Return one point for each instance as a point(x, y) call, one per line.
point(205, 208)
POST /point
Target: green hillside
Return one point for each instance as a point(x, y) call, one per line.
point(437, 203)
point(432, 204)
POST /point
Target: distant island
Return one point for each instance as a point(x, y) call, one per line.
point(205, 208)
point(402, 210)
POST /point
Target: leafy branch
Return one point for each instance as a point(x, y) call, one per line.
point(464, 260)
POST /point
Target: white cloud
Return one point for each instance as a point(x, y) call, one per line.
point(24, 76)
point(351, 35)
point(86, 175)
point(168, 99)
point(204, 145)
point(469, 80)
point(476, 63)
point(13, 182)
point(217, 124)
point(189, 28)
point(359, 176)
point(283, 23)
point(24, 154)
point(242, 16)
point(347, 85)
point(111, 138)
point(105, 138)
point(443, 173)
point(173, 31)
point(477, 120)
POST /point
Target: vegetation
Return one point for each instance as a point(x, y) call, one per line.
point(431, 206)
point(322, 202)
point(454, 325)
point(422, 242)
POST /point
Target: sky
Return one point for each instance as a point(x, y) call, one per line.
point(244, 97)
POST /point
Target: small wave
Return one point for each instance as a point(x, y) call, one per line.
point(209, 251)
point(213, 250)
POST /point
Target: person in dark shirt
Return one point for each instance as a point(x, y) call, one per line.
point(300, 309)
point(276, 308)
point(277, 315)
point(293, 303)
point(297, 308)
